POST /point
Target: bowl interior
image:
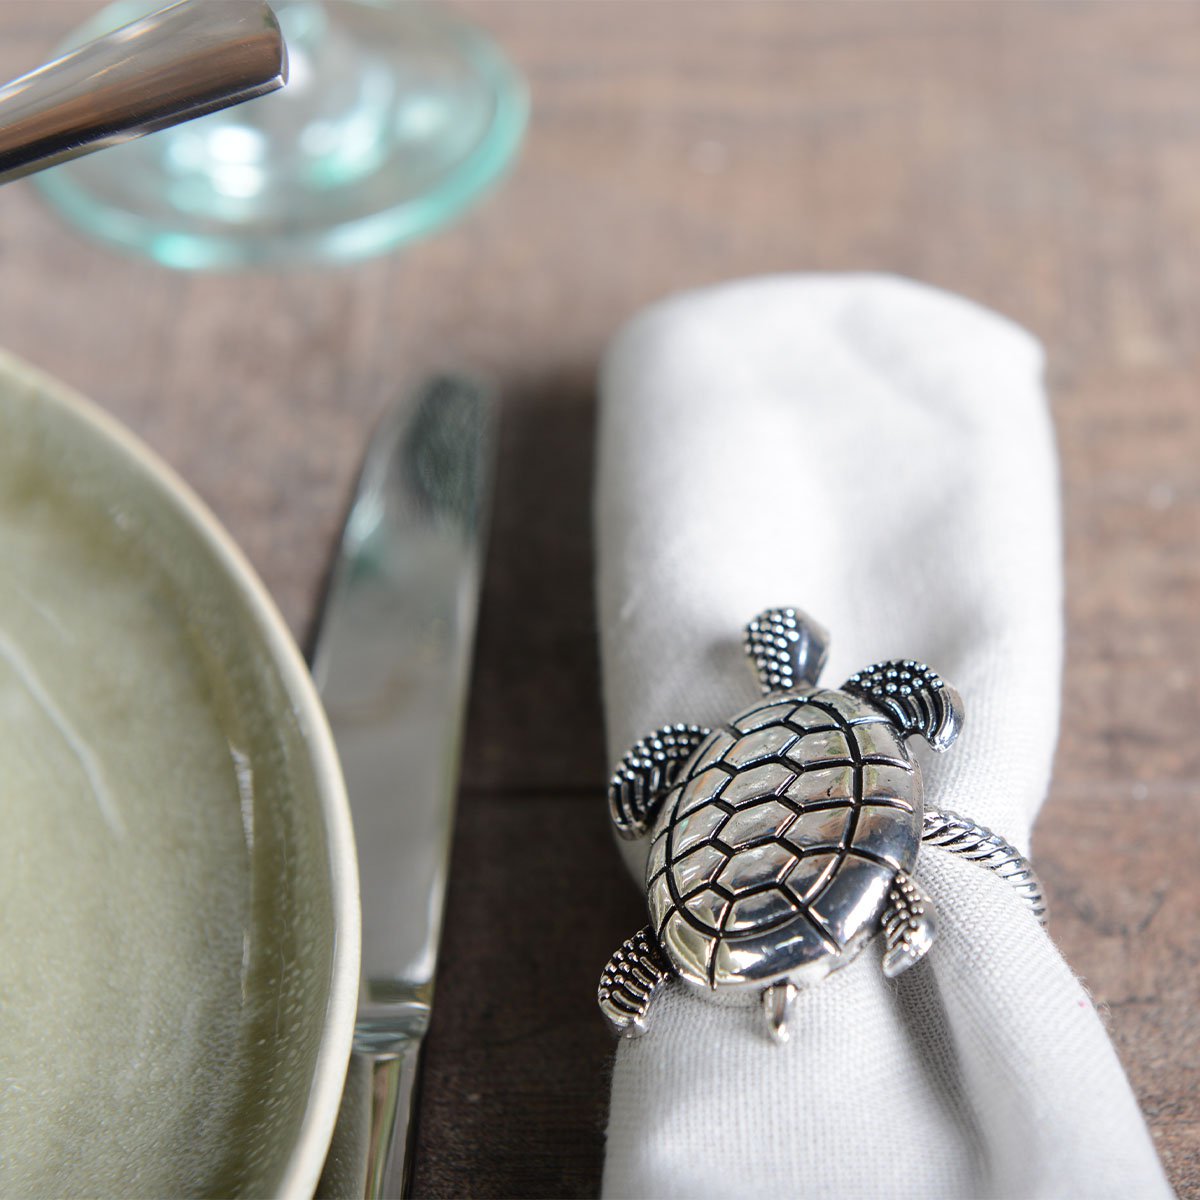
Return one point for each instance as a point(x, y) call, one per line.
point(178, 928)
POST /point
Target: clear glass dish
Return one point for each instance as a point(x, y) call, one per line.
point(396, 117)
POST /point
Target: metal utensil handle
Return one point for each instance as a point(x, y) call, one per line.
point(181, 62)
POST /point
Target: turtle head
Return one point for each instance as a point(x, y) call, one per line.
point(917, 699)
point(788, 649)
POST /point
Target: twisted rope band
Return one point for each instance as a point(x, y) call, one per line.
point(961, 835)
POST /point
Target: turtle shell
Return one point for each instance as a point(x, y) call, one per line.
point(773, 855)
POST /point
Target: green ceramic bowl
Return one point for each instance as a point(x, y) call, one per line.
point(179, 927)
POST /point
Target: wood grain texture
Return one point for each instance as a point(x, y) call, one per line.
point(1041, 159)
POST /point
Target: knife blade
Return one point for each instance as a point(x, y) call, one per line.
point(392, 662)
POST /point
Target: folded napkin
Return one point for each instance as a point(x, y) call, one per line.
point(879, 454)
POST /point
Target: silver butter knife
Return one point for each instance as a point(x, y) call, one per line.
point(392, 662)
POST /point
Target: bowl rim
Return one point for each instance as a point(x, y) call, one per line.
point(304, 1165)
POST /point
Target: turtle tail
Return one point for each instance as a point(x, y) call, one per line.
point(916, 698)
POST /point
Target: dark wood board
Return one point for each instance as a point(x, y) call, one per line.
point(1039, 158)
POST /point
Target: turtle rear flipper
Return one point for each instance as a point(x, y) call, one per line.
point(630, 980)
point(647, 773)
point(908, 926)
point(916, 699)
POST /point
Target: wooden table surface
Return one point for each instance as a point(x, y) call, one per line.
point(1042, 159)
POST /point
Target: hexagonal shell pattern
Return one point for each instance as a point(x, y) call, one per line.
point(773, 856)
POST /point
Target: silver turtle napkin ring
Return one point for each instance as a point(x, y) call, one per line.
point(784, 840)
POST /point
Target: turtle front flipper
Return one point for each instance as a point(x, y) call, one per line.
point(629, 982)
point(917, 699)
point(908, 926)
point(647, 773)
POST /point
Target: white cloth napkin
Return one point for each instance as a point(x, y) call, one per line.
point(879, 454)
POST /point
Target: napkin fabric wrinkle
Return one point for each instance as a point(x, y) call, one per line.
point(880, 454)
